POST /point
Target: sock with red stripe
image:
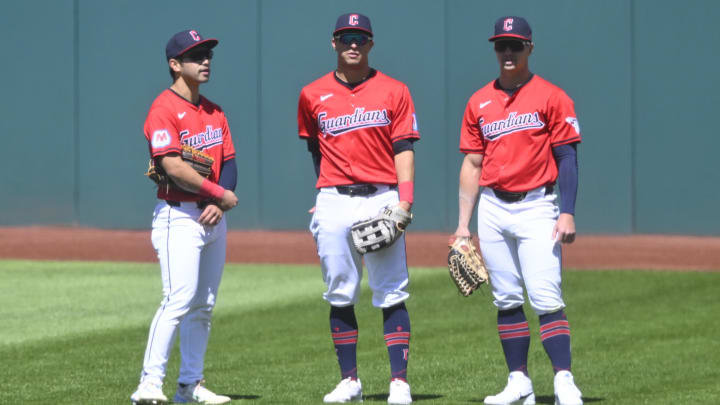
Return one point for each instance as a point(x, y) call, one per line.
point(555, 336)
point(344, 329)
point(396, 326)
point(515, 338)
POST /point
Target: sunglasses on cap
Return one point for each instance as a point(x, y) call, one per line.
point(353, 38)
point(515, 46)
point(197, 55)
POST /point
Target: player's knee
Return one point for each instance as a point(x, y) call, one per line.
point(506, 301)
point(546, 304)
point(339, 299)
point(389, 298)
point(178, 303)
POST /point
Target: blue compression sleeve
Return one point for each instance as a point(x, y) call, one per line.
point(566, 159)
point(402, 145)
point(228, 175)
point(314, 149)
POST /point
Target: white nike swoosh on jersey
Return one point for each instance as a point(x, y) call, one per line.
point(181, 115)
point(482, 105)
point(325, 97)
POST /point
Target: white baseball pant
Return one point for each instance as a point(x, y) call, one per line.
point(192, 258)
point(518, 248)
point(341, 264)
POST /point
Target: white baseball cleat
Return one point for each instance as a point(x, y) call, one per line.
point(148, 393)
point(399, 393)
point(518, 391)
point(348, 390)
point(566, 393)
point(198, 394)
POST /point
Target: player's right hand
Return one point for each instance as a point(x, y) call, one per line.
point(462, 232)
point(228, 201)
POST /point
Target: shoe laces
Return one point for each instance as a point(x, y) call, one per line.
point(566, 382)
point(399, 388)
point(517, 378)
point(346, 381)
point(150, 386)
point(396, 383)
point(200, 392)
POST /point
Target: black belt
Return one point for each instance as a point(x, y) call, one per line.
point(200, 204)
point(511, 197)
point(357, 189)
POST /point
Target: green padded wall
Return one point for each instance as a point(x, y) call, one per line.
point(87, 72)
point(675, 82)
point(38, 122)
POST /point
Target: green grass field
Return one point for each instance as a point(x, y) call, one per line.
point(74, 333)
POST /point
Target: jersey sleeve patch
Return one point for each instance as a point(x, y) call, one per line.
point(160, 139)
point(574, 122)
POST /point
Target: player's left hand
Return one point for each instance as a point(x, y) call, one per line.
point(564, 230)
point(211, 215)
point(405, 205)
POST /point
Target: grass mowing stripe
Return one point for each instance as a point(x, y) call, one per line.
point(638, 337)
point(41, 300)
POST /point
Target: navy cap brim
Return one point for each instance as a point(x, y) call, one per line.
point(354, 28)
point(511, 36)
point(211, 42)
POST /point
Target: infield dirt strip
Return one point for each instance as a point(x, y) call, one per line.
point(424, 249)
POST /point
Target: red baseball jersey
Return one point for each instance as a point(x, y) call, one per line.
point(356, 127)
point(173, 121)
point(516, 133)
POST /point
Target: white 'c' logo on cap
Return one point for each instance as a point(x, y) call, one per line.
point(507, 25)
point(353, 20)
point(195, 35)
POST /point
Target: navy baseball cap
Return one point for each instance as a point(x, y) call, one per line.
point(183, 41)
point(512, 27)
point(353, 21)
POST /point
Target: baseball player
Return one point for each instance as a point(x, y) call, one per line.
point(519, 136)
point(360, 126)
point(188, 229)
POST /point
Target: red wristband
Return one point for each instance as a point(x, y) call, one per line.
point(406, 190)
point(210, 189)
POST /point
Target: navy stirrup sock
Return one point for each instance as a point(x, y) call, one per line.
point(344, 329)
point(396, 326)
point(555, 336)
point(515, 338)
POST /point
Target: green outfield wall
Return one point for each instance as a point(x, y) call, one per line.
point(80, 75)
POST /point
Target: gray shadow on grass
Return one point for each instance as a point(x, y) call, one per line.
point(545, 399)
point(236, 396)
point(384, 396)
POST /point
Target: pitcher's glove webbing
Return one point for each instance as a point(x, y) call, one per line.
point(199, 161)
point(380, 231)
point(466, 266)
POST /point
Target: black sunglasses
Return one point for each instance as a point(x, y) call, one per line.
point(356, 38)
point(515, 46)
point(198, 56)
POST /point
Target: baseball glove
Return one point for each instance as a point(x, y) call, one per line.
point(466, 266)
point(199, 161)
point(380, 231)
